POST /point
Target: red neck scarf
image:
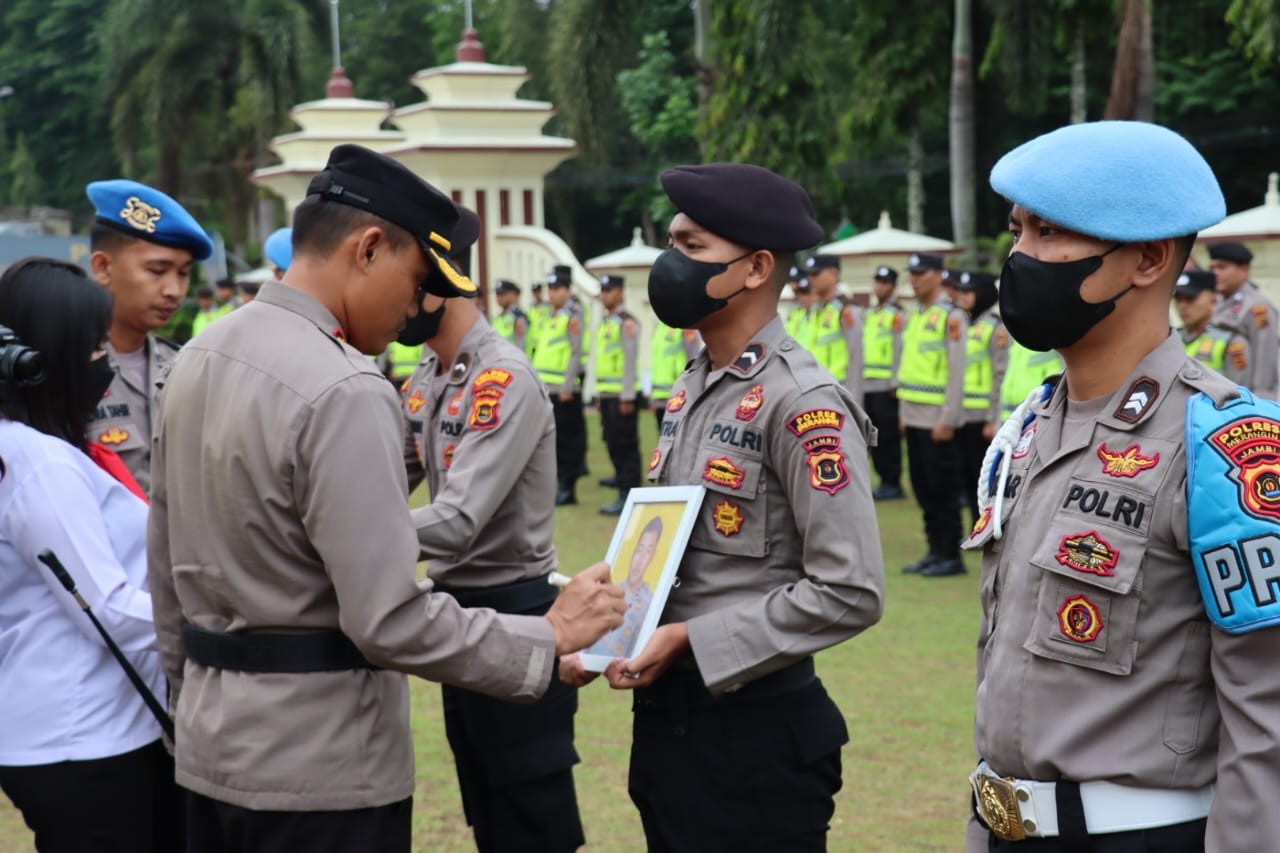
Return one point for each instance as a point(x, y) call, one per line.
point(108, 460)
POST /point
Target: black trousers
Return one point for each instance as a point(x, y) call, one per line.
point(735, 775)
point(217, 827)
point(622, 438)
point(515, 767)
point(886, 456)
point(973, 447)
point(123, 804)
point(571, 440)
point(934, 472)
point(1179, 838)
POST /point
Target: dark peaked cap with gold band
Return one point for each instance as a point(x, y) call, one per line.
point(746, 204)
point(371, 181)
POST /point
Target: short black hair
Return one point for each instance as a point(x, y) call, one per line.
point(226, 282)
point(54, 307)
point(319, 226)
point(104, 238)
point(782, 263)
point(204, 291)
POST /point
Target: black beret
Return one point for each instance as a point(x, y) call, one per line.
point(922, 261)
point(374, 182)
point(225, 283)
point(250, 287)
point(822, 262)
point(609, 282)
point(504, 286)
point(204, 291)
point(1234, 252)
point(1195, 282)
point(888, 274)
point(746, 204)
point(973, 281)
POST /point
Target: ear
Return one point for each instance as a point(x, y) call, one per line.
point(367, 243)
point(100, 266)
point(1155, 262)
point(760, 269)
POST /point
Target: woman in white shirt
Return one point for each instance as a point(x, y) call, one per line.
point(80, 756)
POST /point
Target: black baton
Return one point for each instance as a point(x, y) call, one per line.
point(51, 560)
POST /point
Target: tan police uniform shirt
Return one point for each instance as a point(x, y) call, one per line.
point(851, 320)
point(784, 559)
point(1096, 659)
point(280, 505)
point(951, 413)
point(1250, 313)
point(124, 420)
point(482, 434)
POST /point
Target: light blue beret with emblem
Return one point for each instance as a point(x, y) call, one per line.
point(279, 248)
point(1117, 180)
point(139, 211)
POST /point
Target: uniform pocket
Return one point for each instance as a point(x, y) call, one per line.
point(1183, 731)
point(1090, 592)
point(733, 515)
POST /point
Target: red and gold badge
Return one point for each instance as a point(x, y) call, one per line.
point(1087, 552)
point(1079, 619)
point(676, 403)
point(115, 435)
point(448, 456)
point(1252, 445)
point(404, 386)
point(827, 471)
point(493, 376)
point(953, 329)
point(1236, 352)
point(848, 317)
point(1002, 338)
point(1127, 463)
point(1259, 313)
point(415, 402)
point(723, 472)
point(655, 459)
point(981, 524)
point(750, 403)
point(484, 409)
point(815, 419)
point(455, 404)
point(727, 518)
point(1023, 446)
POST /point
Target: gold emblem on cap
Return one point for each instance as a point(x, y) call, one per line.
point(440, 241)
point(140, 215)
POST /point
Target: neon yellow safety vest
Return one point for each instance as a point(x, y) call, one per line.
point(667, 359)
point(403, 360)
point(553, 352)
point(829, 346)
point(1027, 369)
point(922, 376)
point(611, 357)
point(537, 315)
point(1210, 348)
point(797, 323)
point(877, 341)
point(505, 325)
point(978, 373)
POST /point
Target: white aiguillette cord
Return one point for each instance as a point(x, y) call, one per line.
point(1001, 450)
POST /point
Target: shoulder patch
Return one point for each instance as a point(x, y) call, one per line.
point(1138, 401)
point(492, 376)
point(484, 409)
point(953, 329)
point(1236, 352)
point(749, 358)
point(1261, 316)
point(629, 328)
point(898, 321)
point(574, 326)
point(815, 419)
point(848, 317)
point(1002, 338)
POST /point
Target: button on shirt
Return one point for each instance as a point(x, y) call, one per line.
point(65, 697)
point(784, 559)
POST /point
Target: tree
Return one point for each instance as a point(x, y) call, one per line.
point(1256, 27)
point(25, 187)
point(1133, 80)
point(964, 212)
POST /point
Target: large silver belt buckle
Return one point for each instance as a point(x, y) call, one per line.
point(997, 801)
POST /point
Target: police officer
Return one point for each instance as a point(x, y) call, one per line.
point(538, 311)
point(1245, 309)
point(986, 356)
point(801, 310)
point(835, 338)
point(736, 743)
point(882, 353)
point(617, 385)
point(1120, 707)
point(278, 250)
point(204, 309)
point(512, 324)
point(931, 396)
point(143, 246)
point(1226, 351)
point(281, 552)
point(669, 351)
point(1026, 371)
point(481, 432)
point(557, 358)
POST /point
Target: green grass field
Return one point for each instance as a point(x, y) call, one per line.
point(905, 686)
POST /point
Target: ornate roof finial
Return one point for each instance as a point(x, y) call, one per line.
point(339, 85)
point(469, 49)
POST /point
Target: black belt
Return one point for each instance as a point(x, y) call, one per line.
point(518, 597)
point(685, 688)
point(324, 651)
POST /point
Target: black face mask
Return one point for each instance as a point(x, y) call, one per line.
point(96, 382)
point(422, 328)
point(1040, 302)
point(678, 288)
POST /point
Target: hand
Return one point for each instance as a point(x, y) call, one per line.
point(573, 673)
point(989, 430)
point(942, 433)
point(587, 609)
point(627, 407)
point(666, 645)
point(565, 396)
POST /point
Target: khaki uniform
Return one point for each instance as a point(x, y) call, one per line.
point(482, 435)
point(1096, 660)
point(280, 505)
point(784, 559)
point(1251, 314)
point(126, 418)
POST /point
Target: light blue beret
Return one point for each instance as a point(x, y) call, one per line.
point(279, 248)
point(1118, 180)
point(148, 214)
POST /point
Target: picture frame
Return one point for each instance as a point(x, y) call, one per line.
point(650, 536)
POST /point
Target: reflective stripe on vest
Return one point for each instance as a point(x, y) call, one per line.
point(922, 376)
point(877, 343)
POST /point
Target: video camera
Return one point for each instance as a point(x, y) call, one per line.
point(19, 363)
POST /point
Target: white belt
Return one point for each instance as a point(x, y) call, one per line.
point(1019, 808)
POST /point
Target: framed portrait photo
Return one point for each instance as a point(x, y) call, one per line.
point(644, 554)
